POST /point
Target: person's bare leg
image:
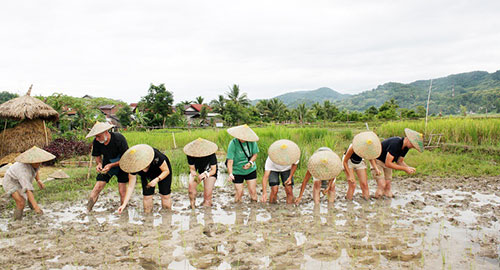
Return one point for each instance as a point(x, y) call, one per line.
point(147, 201)
point(252, 189)
point(20, 204)
point(351, 186)
point(331, 193)
point(273, 197)
point(166, 202)
point(387, 189)
point(289, 194)
point(94, 194)
point(192, 184)
point(363, 183)
point(122, 189)
point(316, 191)
point(238, 188)
point(380, 187)
point(208, 187)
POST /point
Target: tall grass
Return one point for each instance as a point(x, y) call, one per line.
point(470, 131)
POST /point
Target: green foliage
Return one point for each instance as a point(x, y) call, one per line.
point(124, 114)
point(6, 96)
point(157, 104)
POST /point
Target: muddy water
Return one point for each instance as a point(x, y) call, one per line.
point(430, 224)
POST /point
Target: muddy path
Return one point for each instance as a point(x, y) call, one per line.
point(430, 224)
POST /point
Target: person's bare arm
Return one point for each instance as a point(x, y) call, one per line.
point(164, 173)
point(38, 181)
point(389, 164)
point(230, 169)
point(265, 180)
point(251, 161)
point(373, 163)
point(98, 167)
point(31, 199)
point(347, 156)
point(292, 172)
point(303, 186)
point(132, 179)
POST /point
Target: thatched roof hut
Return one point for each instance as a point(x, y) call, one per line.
point(27, 107)
point(32, 130)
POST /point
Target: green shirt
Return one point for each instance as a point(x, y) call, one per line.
point(235, 152)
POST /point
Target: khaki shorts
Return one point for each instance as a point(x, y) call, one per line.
point(351, 165)
point(10, 186)
point(386, 173)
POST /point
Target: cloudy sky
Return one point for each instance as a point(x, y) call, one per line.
point(199, 48)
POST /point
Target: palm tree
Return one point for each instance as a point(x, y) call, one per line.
point(277, 108)
point(218, 104)
point(318, 111)
point(301, 112)
point(234, 95)
point(199, 100)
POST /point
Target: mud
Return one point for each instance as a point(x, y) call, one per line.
point(430, 224)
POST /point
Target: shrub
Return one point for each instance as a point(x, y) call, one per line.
point(66, 148)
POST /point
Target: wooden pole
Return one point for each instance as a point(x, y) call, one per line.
point(46, 136)
point(3, 137)
point(90, 161)
point(427, 111)
point(173, 136)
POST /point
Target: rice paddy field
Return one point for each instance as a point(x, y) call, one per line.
point(446, 216)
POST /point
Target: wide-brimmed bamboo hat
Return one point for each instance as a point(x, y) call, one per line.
point(59, 174)
point(200, 148)
point(98, 128)
point(34, 155)
point(137, 158)
point(324, 165)
point(416, 139)
point(284, 152)
point(367, 145)
point(243, 132)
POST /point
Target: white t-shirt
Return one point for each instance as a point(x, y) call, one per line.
point(271, 166)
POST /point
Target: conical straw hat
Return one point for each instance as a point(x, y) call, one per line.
point(200, 148)
point(59, 174)
point(324, 165)
point(416, 138)
point(243, 132)
point(284, 152)
point(98, 128)
point(367, 145)
point(137, 158)
point(34, 155)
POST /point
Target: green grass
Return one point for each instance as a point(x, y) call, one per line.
point(436, 163)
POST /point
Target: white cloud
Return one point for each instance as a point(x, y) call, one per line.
point(116, 49)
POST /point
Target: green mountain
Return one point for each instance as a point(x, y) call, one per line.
point(478, 91)
point(292, 99)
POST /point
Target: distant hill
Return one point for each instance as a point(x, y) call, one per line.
point(309, 97)
point(477, 91)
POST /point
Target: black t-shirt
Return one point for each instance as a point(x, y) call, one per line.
point(111, 152)
point(202, 164)
point(355, 158)
point(154, 168)
point(394, 146)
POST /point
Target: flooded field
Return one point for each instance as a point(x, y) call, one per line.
point(430, 224)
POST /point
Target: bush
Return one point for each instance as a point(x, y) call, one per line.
point(66, 148)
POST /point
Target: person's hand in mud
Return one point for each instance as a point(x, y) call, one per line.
point(247, 166)
point(121, 208)
point(298, 199)
point(288, 181)
point(38, 210)
point(410, 170)
point(153, 182)
point(264, 197)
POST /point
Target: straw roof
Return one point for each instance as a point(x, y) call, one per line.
point(27, 107)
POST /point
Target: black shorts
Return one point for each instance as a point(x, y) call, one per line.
point(122, 177)
point(274, 178)
point(163, 186)
point(238, 179)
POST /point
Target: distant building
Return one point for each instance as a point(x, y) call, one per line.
point(192, 113)
point(110, 112)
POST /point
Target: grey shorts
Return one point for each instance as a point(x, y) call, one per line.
point(274, 178)
point(10, 186)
